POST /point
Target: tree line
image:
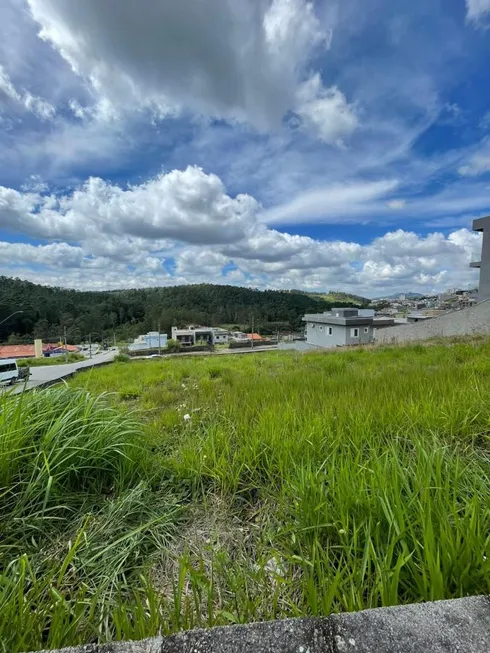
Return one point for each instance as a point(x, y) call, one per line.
point(47, 312)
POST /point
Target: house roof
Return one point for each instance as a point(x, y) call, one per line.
point(16, 351)
point(328, 318)
point(254, 336)
point(27, 351)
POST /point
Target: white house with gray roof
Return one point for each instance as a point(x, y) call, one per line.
point(338, 328)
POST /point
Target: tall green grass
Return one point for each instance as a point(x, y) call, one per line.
point(79, 518)
point(311, 483)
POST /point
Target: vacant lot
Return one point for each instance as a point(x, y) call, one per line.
point(205, 491)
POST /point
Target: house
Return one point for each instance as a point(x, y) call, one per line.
point(221, 336)
point(483, 225)
point(150, 340)
point(186, 337)
point(338, 327)
point(256, 337)
point(193, 335)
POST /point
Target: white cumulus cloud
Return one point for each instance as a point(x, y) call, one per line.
point(183, 226)
point(186, 205)
point(242, 61)
point(325, 111)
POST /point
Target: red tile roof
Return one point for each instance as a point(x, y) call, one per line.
point(254, 336)
point(27, 351)
point(17, 351)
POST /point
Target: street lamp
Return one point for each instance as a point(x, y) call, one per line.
point(11, 315)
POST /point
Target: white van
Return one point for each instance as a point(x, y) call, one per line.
point(9, 371)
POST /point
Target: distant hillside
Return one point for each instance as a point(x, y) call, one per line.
point(408, 295)
point(335, 297)
point(46, 311)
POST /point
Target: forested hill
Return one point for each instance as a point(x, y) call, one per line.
point(338, 298)
point(46, 311)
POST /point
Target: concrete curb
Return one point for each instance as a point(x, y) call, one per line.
point(457, 626)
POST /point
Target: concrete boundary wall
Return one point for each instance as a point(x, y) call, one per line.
point(469, 321)
point(457, 626)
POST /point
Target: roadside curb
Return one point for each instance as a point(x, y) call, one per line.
point(454, 626)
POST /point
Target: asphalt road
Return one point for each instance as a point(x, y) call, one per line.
point(53, 373)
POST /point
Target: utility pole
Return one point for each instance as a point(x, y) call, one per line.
point(114, 333)
point(66, 345)
point(159, 341)
point(252, 330)
point(90, 345)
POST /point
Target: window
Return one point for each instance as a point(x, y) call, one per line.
point(366, 329)
point(312, 326)
point(321, 328)
point(8, 367)
point(354, 333)
point(330, 331)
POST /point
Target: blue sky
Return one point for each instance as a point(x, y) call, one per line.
point(328, 145)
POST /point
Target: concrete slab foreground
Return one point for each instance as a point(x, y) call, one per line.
point(457, 626)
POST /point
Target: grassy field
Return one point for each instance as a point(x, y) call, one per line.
point(72, 357)
point(205, 491)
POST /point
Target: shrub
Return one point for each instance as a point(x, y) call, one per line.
point(173, 345)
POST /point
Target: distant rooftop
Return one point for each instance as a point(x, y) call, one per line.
point(342, 316)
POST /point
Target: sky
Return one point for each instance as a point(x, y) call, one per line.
point(326, 145)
